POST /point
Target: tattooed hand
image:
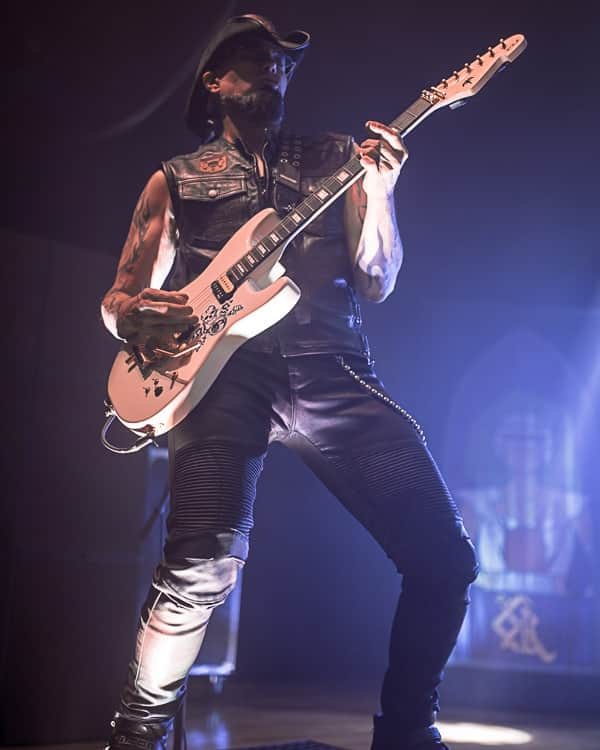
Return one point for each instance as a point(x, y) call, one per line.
point(383, 158)
point(155, 316)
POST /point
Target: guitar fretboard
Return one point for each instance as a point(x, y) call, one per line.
point(329, 190)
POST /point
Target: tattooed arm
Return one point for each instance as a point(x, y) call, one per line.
point(132, 309)
point(370, 216)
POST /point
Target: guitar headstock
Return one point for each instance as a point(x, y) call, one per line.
point(473, 76)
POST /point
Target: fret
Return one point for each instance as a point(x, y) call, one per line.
point(288, 225)
point(303, 210)
point(313, 202)
point(261, 250)
point(410, 117)
point(332, 185)
point(354, 166)
point(251, 258)
point(325, 192)
point(342, 176)
point(405, 121)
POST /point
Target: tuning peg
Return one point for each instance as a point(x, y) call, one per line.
point(491, 51)
point(456, 74)
point(479, 59)
point(444, 83)
point(503, 43)
point(468, 67)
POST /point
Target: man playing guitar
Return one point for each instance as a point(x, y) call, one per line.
point(307, 381)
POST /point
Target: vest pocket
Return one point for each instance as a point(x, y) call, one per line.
point(212, 210)
point(211, 189)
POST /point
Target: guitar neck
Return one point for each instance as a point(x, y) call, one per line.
point(327, 192)
point(333, 187)
point(451, 91)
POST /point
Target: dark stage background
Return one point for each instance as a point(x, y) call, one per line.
point(498, 210)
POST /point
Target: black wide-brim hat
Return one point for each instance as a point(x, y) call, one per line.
point(293, 45)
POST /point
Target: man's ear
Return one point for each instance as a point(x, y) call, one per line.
point(210, 81)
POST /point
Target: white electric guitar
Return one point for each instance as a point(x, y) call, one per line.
point(244, 290)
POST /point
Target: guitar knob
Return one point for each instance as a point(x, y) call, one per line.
point(455, 73)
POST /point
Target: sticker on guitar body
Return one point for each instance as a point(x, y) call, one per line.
point(212, 322)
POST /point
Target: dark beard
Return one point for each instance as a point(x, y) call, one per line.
point(265, 106)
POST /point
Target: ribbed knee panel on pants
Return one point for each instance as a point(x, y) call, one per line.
point(406, 504)
point(407, 471)
point(214, 489)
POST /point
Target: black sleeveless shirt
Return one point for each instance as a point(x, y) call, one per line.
point(217, 188)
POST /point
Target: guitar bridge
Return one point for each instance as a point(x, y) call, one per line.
point(136, 359)
point(145, 359)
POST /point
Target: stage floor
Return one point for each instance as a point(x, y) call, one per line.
point(250, 715)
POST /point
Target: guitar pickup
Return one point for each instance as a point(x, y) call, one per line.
point(223, 288)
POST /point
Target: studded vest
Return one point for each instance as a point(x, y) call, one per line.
point(217, 188)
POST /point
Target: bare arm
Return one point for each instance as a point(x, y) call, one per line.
point(132, 309)
point(370, 217)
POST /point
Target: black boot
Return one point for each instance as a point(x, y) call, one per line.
point(386, 738)
point(425, 739)
point(133, 735)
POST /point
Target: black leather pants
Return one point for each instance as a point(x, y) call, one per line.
point(334, 412)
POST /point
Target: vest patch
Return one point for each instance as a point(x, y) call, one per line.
point(214, 163)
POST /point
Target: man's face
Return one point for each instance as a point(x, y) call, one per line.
point(250, 81)
point(253, 66)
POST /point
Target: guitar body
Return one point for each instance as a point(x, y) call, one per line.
point(152, 398)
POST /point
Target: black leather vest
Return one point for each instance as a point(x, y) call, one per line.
point(217, 189)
